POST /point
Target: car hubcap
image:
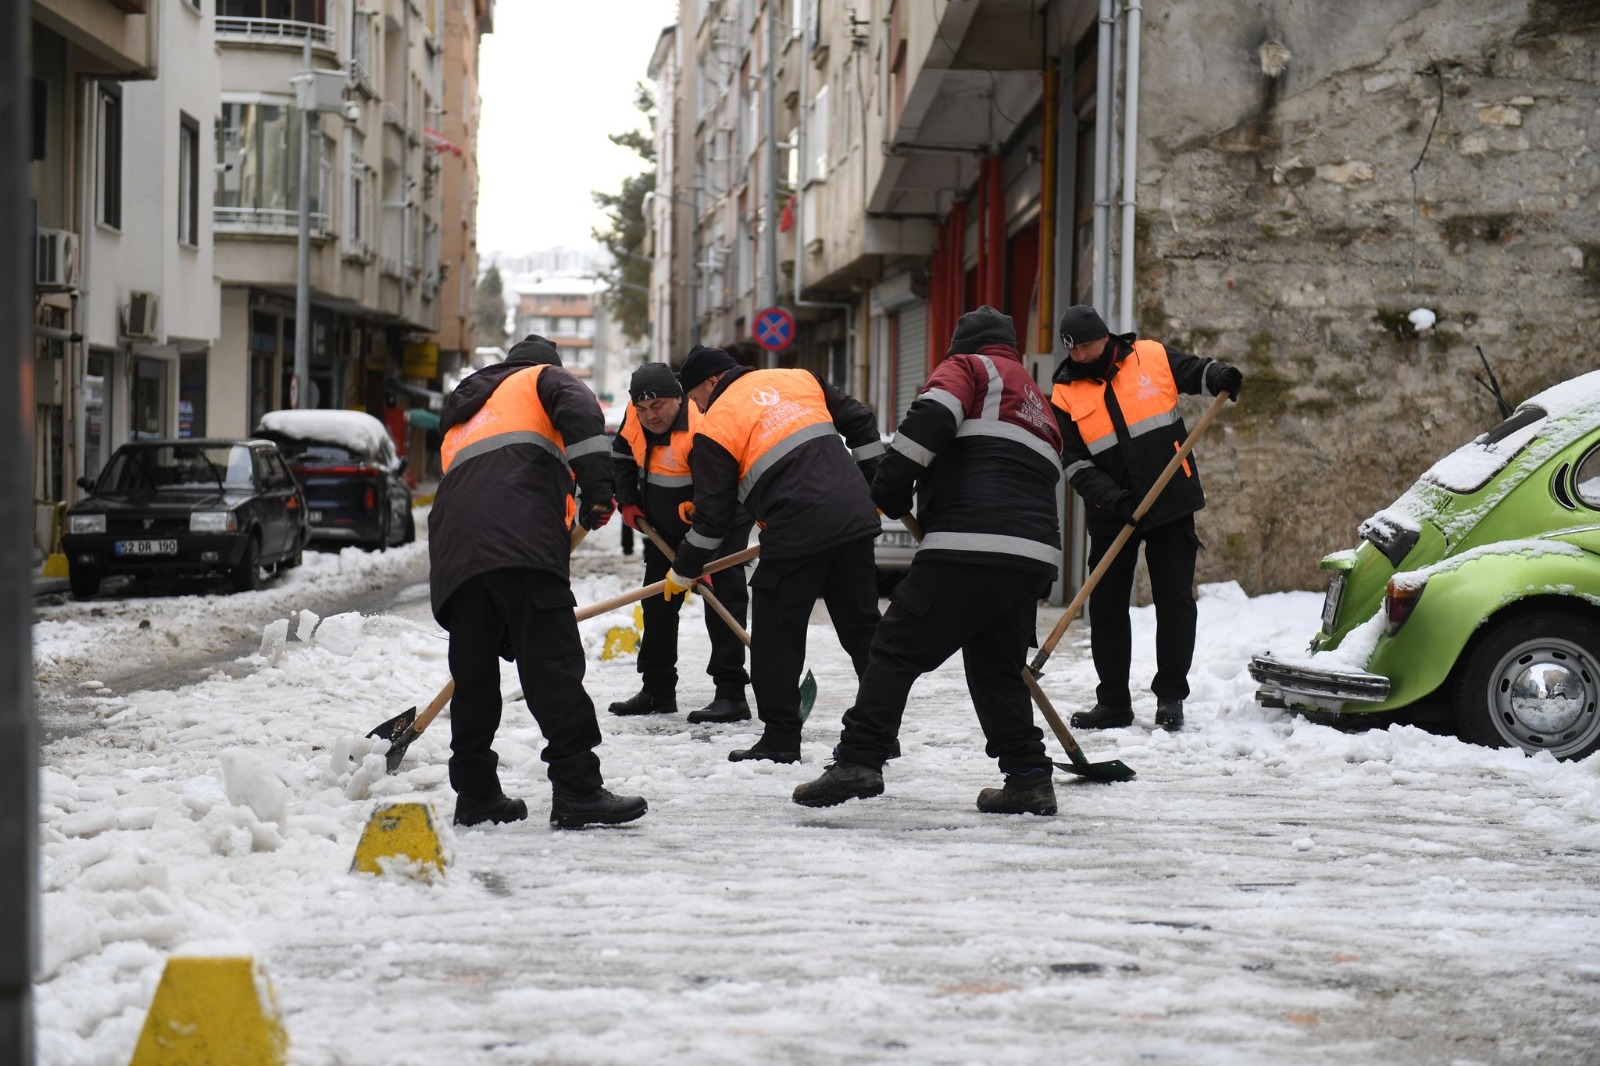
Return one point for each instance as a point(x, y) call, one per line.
point(1545, 694)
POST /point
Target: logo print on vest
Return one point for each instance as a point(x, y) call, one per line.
point(765, 396)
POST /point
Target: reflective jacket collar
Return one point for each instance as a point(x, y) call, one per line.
point(727, 379)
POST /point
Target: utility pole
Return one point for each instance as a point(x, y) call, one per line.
point(768, 294)
point(299, 384)
point(19, 773)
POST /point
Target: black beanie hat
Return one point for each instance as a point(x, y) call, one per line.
point(534, 349)
point(1081, 324)
point(976, 330)
point(702, 363)
point(653, 381)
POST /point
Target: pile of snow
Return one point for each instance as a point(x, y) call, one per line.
point(355, 430)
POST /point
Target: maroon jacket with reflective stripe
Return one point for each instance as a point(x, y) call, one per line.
point(981, 445)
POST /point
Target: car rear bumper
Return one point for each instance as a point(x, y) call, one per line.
point(195, 552)
point(1299, 685)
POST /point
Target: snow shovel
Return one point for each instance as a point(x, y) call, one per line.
point(1036, 668)
point(808, 687)
point(1111, 770)
point(403, 729)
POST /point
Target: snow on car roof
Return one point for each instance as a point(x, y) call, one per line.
point(1571, 408)
point(356, 430)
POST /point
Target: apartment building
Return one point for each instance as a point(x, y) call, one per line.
point(568, 310)
point(167, 180)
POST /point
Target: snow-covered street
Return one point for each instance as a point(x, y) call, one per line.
point(1267, 890)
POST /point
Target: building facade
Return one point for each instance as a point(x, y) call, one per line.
point(167, 182)
point(1278, 188)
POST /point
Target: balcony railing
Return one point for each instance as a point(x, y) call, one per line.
point(266, 220)
point(274, 31)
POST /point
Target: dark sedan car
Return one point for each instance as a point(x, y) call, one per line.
point(186, 506)
point(354, 482)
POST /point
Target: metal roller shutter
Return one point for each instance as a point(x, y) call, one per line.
point(911, 356)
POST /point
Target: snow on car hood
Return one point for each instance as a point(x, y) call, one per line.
point(1571, 408)
point(356, 430)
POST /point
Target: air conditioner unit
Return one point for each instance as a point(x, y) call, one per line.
point(56, 260)
point(139, 317)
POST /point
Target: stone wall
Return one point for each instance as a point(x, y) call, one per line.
point(1309, 174)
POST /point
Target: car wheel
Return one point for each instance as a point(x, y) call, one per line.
point(289, 562)
point(246, 576)
point(85, 583)
point(1532, 681)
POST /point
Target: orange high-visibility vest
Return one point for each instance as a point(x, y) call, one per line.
point(1145, 391)
point(668, 463)
point(512, 415)
point(763, 416)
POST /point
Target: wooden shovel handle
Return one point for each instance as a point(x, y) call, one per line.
point(716, 604)
point(1071, 613)
point(431, 712)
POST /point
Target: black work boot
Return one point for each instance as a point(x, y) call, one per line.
point(839, 782)
point(647, 702)
point(1103, 717)
point(1019, 796)
point(472, 811)
point(723, 709)
point(1169, 715)
point(767, 750)
point(574, 810)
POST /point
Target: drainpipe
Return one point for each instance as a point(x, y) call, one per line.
point(1102, 155)
point(405, 164)
point(800, 209)
point(768, 295)
point(1130, 153)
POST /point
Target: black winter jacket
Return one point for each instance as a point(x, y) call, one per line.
point(507, 508)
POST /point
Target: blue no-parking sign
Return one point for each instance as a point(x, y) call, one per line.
point(773, 329)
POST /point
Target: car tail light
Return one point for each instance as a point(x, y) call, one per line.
point(370, 499)
point(1399, 600)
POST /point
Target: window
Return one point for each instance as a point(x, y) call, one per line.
point(188, 180)
point(109, 170)
point(259, 144)
point(817, 134)
point(357, 224)
point(292, 10)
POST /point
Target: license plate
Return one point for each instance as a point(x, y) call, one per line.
point(147, 547)
point(314, 517)
point(898, 540)
point(1330, 605)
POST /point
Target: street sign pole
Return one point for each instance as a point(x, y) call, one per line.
point(19, 798)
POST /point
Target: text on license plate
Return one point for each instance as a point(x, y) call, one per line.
point(898, 540)
point(147, 547)
point(1330, 605)
point(314, 517)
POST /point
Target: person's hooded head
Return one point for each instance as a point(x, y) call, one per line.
point(702, 367)
point(534, 349)
point(656, 396)
point(980, 329)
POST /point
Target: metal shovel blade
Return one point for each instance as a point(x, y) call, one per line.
point(398, 732)
point(808, 695)
point(1110, 770)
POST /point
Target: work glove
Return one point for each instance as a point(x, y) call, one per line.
point(892, 504)
point(631, 513)
point(677, 585)
point(1226, 379)
point(1124, 507)
point(592, 516)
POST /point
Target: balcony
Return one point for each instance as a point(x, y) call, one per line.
point(267, 220)
point(279, 32)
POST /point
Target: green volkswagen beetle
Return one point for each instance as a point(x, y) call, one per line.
point(1478, 589)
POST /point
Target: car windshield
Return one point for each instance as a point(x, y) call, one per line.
point(176, 468)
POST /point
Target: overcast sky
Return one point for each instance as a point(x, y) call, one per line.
point(557, 77)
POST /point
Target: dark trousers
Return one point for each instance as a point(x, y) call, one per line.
point(782, 595)
point(530, 613)
point(985, 612)
point(1169, 555)
point(658, 649)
